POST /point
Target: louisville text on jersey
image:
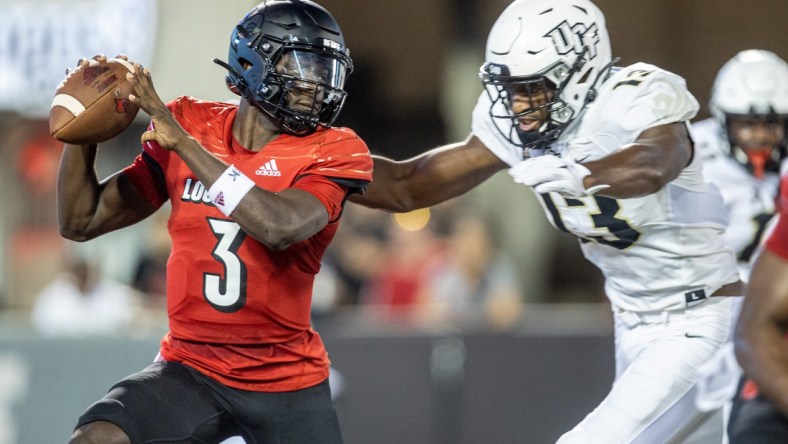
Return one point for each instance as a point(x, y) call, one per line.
point(195, 191)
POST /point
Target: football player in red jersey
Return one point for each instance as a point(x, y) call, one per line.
point(760, 341)
point(256, 192)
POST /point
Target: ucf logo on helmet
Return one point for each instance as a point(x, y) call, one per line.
point(574, 38)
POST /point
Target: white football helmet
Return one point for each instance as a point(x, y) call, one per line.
point(753, 84)
point(535, 46)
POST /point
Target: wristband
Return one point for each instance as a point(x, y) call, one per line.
point(228, 190)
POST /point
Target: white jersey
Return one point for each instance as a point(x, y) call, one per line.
point(658, 252)
point(749, 201)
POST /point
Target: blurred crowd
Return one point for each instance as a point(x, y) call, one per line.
point(433, 267)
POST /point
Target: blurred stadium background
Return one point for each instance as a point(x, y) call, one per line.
point(407, 376)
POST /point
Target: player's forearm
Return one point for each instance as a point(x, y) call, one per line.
point(763, 355)
point(453, 171)
point(78, 191)
point(760, 332)
point(88, 208)
point(397, 187)
point(633, 172)
point(276, 219)
point(657, 157)
point(279, 220)
point(429, 179)
point(629, 180)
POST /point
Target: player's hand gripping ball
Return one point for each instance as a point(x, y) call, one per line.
point(92, 104)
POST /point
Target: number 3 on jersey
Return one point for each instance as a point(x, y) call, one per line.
point(603, 227)
point(227, 295)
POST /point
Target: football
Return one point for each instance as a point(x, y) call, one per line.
point(91, 104)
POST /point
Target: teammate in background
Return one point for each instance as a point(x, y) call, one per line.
point(257, 190)
point(609, 154)
point(743, 146)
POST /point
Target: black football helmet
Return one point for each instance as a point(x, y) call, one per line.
point(287, 48)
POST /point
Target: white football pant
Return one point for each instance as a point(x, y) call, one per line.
point(652, 400)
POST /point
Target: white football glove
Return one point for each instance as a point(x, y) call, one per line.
point(550, 173)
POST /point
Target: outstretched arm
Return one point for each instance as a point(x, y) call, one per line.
point(430, 178)
point(760, 333)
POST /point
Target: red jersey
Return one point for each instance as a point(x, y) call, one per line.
point(778, 240)
point(239, 311)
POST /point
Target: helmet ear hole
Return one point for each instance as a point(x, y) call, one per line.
point(245, 64)
point(585, 77)
point(242, 32)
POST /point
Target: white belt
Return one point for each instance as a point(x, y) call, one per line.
point(633, 318)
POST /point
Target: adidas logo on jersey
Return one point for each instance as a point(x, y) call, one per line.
point(269, 169)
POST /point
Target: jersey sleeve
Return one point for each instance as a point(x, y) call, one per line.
point(344, 159)
point(330, 193)
point(146, 173)
point(639, 97)
point(484, 128)
point(778, 240)
point(645, 96)
point(343, 167)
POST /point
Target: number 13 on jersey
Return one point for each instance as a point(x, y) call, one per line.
point(592, 219)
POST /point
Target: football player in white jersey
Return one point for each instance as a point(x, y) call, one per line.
point(743, 146)
point(609, 154)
